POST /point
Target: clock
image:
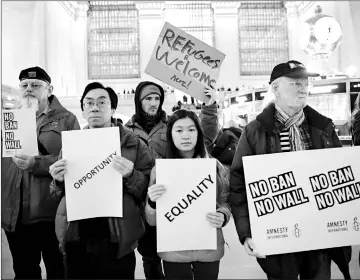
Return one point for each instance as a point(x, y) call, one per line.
point(327, 30)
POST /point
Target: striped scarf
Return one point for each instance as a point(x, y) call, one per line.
point(293, 125)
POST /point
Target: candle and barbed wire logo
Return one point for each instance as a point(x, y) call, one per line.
point(297, 231)
point(356, 224)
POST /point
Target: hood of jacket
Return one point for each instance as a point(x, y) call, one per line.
point(138, 89)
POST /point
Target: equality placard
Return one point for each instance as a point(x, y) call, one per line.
point(181, 212)
point(19, 132)
point(93, 186)
point(302, 201)
point(184, 62)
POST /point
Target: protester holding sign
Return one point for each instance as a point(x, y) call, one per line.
point(186, 140)
point(27, 209)
point(287, 124)
point(104, 247)
point(150, 123)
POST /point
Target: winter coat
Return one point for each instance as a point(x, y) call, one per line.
point(37, 203)
point(260, 137)
point(126, 230)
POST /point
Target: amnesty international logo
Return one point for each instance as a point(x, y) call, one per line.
point(296, 231)
point(356, 224)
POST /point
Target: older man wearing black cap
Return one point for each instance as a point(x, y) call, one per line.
point(287, 124)
point(27, 209)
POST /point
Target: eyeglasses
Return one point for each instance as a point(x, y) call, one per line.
point(300, 84)
point(101, 103)
point(34, 85)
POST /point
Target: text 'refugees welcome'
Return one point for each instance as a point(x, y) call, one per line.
point(187, 51)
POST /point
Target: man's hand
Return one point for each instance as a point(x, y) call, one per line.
point(123, 165)
point(211, 93)
point(250, 248)
point(58, 170)
point(23, 161)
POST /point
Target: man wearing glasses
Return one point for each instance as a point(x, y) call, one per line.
point(287, 124)
point(103, 248)
point(27, 208)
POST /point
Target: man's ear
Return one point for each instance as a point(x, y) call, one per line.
point(113, 112)
point(50, 90)
point(275, 88)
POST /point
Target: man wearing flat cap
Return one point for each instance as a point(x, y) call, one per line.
point(287, 124)
point(27, 209)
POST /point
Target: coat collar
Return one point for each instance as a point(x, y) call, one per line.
point(313, 118)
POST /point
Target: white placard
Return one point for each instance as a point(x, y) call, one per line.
point(184, 62)
point(93, 186)
point(181, 211)
point(19, 132)
point(306, 200)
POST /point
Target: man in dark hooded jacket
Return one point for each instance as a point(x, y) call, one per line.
point(150, 123)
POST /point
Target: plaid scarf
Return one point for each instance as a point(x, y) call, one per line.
point(300, 138)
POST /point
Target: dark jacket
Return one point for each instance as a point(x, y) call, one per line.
point(127, 230)
point(225, 145)
point(260, 137)
point(156, 138)
point(37, 203)
point(355, 129)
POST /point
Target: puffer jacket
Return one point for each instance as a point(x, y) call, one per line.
point(260, 137)
point(222, 184)
point(37, 203)
point(126, 230)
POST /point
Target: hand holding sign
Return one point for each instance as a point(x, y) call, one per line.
point(23, 161)
point(58, 170)
point(156, 191)
point(250, 248)
point(209, 91)
point(123, 165)
point(216, 219)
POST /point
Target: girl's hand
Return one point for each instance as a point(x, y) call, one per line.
point(156, 191)
point(216, 219)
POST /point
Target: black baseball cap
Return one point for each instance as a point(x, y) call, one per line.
point(291, 69)
point(35, 73)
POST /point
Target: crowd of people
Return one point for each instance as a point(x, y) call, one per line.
point(33, 197)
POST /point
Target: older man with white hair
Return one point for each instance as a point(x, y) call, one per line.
point(287, 124)
point(27, 208)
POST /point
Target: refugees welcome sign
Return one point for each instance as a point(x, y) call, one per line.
point(305, 200)
point(181, 211)
point(184, 62)
point(93, 186)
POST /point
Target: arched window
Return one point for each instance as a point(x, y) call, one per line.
point(193, 17)
point(113, 40)
point(263, 36)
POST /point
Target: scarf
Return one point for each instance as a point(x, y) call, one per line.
point(293, 125)
point(148, 122)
